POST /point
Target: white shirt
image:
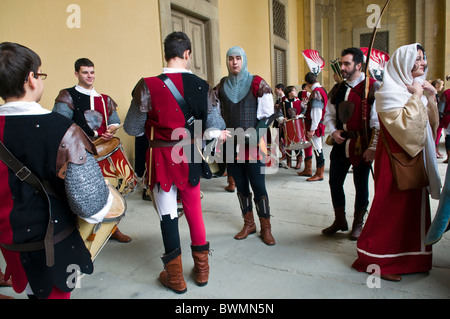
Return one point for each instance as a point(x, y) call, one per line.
point(22, 108)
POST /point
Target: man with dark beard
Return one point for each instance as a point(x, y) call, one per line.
point(353, 146)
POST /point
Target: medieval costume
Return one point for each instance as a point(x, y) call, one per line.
point(94, 113)
point(290, 108)
point(91, 111)
point(174, 164)
point(246, 104)
point(394, 234)
point(345, 112)
point(314, 114)
point(60, 155)
point(444, 125)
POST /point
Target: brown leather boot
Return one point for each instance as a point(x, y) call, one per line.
point(266, 231)
point(308, 168)
point(231, 185)
point(299, 162)
point(263, 209)
point(121, 238)
point(448, 156)
point(172, 275)
point(318, 176)
point(339, 224)
point(201, 264)
point(249, 227)
point(358, 222)
point(247, 213)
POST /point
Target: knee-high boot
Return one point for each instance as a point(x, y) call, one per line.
point(201, 264)
point(358, 223)
point(308, 168)
point(263, 209)
point(247, 213)
point(172, 275)
point(339, 224)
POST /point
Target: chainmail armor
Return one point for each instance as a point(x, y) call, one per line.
point(86, 198)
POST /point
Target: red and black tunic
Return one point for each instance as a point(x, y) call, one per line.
point(167, 118)
point(24, 213)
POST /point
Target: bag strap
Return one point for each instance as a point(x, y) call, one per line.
point(25, 175)
point(383, 137)
point(180, 100)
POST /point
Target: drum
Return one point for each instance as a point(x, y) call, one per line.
point(95, 236)
point(115, 166)
point(295, 134)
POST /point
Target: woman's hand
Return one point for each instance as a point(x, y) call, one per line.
point(415, 88)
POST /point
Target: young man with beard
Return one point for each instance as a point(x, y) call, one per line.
point(345, 119)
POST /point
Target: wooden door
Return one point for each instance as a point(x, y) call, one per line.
point(196, 30)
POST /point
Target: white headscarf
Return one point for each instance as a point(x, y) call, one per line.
point(237, 86)
point(393, 93)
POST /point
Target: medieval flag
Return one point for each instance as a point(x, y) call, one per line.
point(315, 62)
point(377, 63)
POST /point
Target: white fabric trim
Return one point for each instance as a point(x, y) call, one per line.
point(22, 108)
point(166, 202)
point(100, 216)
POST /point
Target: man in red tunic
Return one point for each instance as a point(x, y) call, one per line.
point(353, 146)
point(315, 129)
point(172, 160)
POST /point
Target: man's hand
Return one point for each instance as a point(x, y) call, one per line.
point(337, 137)
point(109, 134)
point(369, 155)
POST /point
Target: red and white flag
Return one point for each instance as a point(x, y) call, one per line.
point(315, 62)
point(377, 63)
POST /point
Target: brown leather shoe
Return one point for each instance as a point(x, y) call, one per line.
point(121, 238)
point(339, 224)
point(201, 264)
point(231, 185)
point(172, 275)
point(249, 227)
point(318, 176)
point(393, 277)
point(308, 169)
point(266, 231)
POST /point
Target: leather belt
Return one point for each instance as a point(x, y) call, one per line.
point(166, 144)
point(39, 245)
point(350, 134)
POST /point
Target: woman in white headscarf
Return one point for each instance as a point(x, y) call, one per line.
point(393, 237)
